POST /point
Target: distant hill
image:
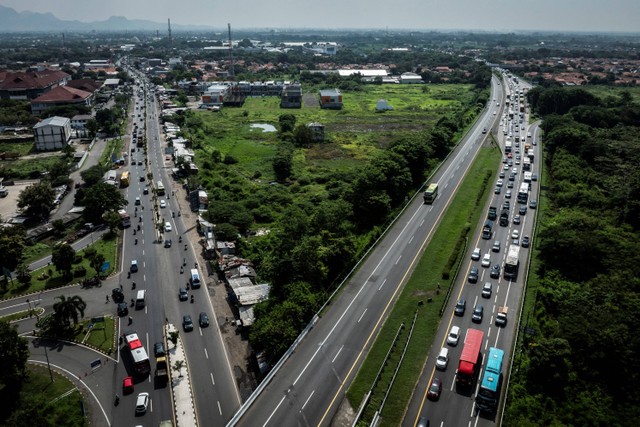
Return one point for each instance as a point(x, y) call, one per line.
point(12, 21)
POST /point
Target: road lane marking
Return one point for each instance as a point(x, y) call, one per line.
point(219, 408)
point(398, 260)
point(276, 408)
point(411, 239)
point(307, 401)
point(383, 282)
point(213, 381)
point(206, 354)
point(362, 315)
point(337, 354)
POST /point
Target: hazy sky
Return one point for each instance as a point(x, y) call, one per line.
point(492, 15)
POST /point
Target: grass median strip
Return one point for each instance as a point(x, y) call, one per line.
point(426, 284)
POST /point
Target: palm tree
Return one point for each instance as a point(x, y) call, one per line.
point(69, 308)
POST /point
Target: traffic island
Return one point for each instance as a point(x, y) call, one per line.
point(181, 393)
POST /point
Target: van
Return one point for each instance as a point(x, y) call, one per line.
point(443, 359)
point(195, 278)
point(141, 298)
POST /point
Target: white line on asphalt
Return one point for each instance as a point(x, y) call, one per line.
point(274, 411)
point(206, 354)
point(362, 315)
point(307, 401)
point(398, 260)
point(337, 354)
point(411, 239)
point(383, 282)
point(213, 382)
point(219, 408)
point(421, 223)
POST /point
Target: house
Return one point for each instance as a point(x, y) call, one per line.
point(79, 121)
point(52, 133)
point(60, 95)
point(291, 96)
point(331, 99)
point(215, 94)
point(317, 131)
point(112, 83)
point(88, 85)
point(32, 84)
point(410, 78)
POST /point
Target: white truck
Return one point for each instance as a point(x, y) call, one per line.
point(501, 317)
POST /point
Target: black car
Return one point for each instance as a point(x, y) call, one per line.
point(123, 309)
point(522, 210)
point(203, 319)
point(183, 295)
point(525, 242)
point(460, 307)
point(167, 243)
point(158, 349)
point(473, 275)
point(117, 295)
point(478, 312)
point(141, 178)
point(495, 271)
point(145, 191)
point(187, 323)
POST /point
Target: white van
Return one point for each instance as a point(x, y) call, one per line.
point(443, 359)
point(141, 298)
point(195, 278)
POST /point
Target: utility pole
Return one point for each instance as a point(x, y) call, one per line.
point(170, 38)
point(231, 70)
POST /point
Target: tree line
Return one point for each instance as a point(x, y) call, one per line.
point(581, 365)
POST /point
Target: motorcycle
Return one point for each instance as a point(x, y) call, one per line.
point(179, 239)
point(128, 275)
point(134, 231)
point(138, 227)
point(185, 247)
point(133, 285)
point(191, 298)
point(173, 214)
point(136, 241)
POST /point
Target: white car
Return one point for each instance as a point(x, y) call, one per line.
point(475, 256)
point(167, 227)
point(486, 260)
point(163, 204)
point(443, 359)
point(142, 403)
point(454, 335)
point(500, 183)
point(515, 234)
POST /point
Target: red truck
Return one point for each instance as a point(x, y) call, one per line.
point(470, 360)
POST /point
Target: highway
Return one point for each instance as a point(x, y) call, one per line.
point(310, 385)
point(456, 407)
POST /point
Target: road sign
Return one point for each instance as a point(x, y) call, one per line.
point(105, 266)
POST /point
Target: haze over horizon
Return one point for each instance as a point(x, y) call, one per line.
point(491, 15)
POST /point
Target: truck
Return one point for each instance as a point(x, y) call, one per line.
point(501, 317)
point(493, 213)
point(512, 263)
point(486, 229)
point(504, 217)
point(470, 359)
point(126, 219)
point(161, 368)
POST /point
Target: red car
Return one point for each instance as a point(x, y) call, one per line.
point(434, 389)
point(127, 385)
point(509, 155)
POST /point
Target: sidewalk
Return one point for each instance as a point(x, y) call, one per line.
point(185, 413)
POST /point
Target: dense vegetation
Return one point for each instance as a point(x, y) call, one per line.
point(581, 365)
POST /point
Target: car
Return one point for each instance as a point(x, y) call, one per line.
point(117, 295)
point(525, 242)
point(501, 175)
point(484, 130)
point(203, 320)
point(534, 177)
point(475, 255)
point(516, 219)
point(137, 202)
point(518, 155)
point(512, 176)
point(435, 388)
point(473, 275)
point(167, 227)
point(127, 385)
point(123, 309)
point(486, 260)
point(478, 312)
point(163, 203)
point(510, 163)
point(498, 190)
point(509, 155)
point(443, 359)
point(141, 178)
point(515, 234)
point(145, 191)
point(187, 323)
point(139, 162)
point(142, 402)
point(183, 294)
point(423, 422)
point(510, 184)
point(134, 266)
point(506, 204)
point(514, 171)
point(533, 204)
point(505, 167)
point(167, 243)
point(158, 349)
point(486, 290)
point(500, 183)
point(496, 246)
point(507, 195)
point(495, 113)
point(453, 336)
point(515, 242)
point(535, 142)
point(522, 210)
point(461, 306)
point(504, 160)
point(495, 271)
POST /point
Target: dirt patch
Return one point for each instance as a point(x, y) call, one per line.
point(310, 101)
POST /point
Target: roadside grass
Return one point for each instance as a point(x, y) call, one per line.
point(100, 336)
point(114, 147)
point(49, 277)
point(61, 400)
point(23, 314)
point(22, 148)
point(425, 285)
point(28, 169)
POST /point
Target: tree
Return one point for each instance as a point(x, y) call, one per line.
point(62, 257)
point(58, 226)
point(178, 367)
point(12, 242)
point(283, 161)
point(173, 337)
point(96, 262)
point(92, 126)
point(93, 175)
point(14, 352)
point(37, 200)
point(69, 310)
point(287, 122)
point(102, 198)
point(302, 136)
point(113, 221)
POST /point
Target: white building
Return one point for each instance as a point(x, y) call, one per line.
point(52, 133)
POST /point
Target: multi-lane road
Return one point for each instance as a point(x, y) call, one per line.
point(310, 385)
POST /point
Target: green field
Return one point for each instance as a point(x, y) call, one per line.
point(427, 285)
point(352, 134)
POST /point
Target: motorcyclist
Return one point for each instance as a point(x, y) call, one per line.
point(136, 241)
point(133, 285)
point(138, 227)
point(191, 297)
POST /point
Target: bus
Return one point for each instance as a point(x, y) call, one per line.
point(511, 263)
point(528, 177)
point(431, 193)
point(507, 146)
point(124, 179)
point(470, 360)
point(160, 189)
point(489, 393)
point(139, 356)
point(523, 193)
